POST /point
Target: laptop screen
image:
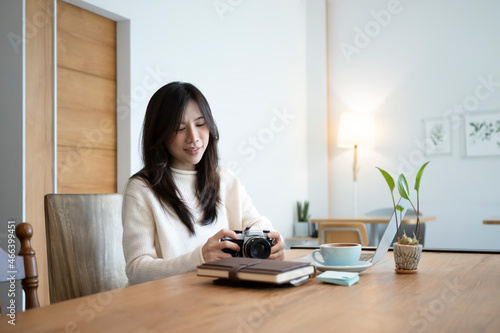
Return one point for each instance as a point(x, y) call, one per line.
point(390, 231)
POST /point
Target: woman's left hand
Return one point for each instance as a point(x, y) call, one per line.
point(278, 249)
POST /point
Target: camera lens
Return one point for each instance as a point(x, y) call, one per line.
point(257, 248)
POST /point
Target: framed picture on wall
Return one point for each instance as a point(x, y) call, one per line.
point(482, 133)
point(437, 136)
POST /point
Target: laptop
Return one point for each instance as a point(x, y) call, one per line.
point(389, 233)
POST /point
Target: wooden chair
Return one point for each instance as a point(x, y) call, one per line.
point(84, 244)
point(342, 232)
point(23, 268)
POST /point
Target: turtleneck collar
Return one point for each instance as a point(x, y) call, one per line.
point(184, 172)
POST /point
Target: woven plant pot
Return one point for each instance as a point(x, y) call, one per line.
point(407, 257)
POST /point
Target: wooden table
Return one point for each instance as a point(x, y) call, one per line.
point(374, 222)
point(492, 220)
point(452, 292)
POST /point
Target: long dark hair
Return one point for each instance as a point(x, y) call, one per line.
point(163, 115)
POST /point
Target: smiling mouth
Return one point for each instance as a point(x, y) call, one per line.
point(193, 151)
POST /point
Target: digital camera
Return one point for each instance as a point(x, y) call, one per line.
point(252, 243)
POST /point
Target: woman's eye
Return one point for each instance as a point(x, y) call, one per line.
point(181, 129)
point(199, 125)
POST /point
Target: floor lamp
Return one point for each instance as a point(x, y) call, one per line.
point(356, 130)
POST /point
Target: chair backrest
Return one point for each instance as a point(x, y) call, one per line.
point(342, 232)
point(84, 244)
point(22, 267)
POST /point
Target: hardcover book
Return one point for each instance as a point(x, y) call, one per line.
point(258, 270)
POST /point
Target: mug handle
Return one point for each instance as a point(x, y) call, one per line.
point(313, 254)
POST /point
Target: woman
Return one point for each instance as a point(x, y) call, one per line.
point(181, 204)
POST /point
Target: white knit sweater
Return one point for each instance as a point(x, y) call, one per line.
point(157, 244)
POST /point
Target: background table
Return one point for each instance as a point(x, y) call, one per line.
point(492, 220)
point(452, 292)
point(374, 222)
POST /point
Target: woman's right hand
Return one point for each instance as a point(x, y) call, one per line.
point(212, 249)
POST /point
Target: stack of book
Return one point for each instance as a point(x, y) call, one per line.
point(258, 270)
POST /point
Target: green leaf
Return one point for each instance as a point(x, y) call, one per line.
point(306, 209)
point(302, 212)
point(388, 178)
point(403, 188)
point(419, 176)
point(399, 208)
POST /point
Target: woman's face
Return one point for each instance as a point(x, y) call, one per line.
point(191, 140)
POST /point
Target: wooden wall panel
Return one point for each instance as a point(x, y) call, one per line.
point(86, 170)
point(78, 51)
point(86, 110)
point(86, 42)
point(39, 129)
point(86, 99)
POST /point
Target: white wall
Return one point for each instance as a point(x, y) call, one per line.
point(428, 57)
point(317, 108)
point(254, 59)
point(249, 59)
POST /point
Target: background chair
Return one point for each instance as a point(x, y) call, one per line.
point(24, 267)
point(84, 244)
point(342, 232)
point(408, 228)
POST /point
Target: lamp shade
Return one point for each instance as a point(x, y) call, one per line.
point(356, 129)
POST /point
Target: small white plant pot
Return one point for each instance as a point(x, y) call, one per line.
point(301, 229)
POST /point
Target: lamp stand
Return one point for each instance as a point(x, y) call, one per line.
point(354, 179)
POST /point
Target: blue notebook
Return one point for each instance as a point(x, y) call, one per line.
point(342, 278)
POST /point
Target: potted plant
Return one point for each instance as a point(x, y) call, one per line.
point(407, 250)
point(301, 226)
